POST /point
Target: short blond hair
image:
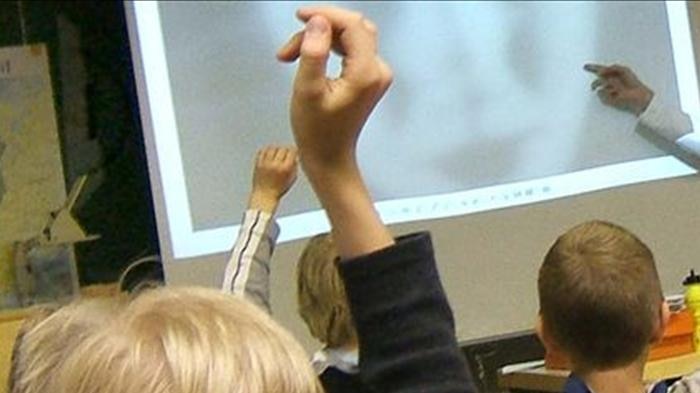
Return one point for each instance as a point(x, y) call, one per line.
point(189, 340)
point(47, 337)
point(600, 295)
point(321, 294)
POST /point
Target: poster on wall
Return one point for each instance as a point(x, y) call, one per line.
point(31, 172)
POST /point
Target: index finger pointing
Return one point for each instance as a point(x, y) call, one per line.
point(594, 68)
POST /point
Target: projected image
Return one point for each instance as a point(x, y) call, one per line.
point(489, 108)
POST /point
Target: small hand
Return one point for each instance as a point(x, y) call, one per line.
point(619, 87)
point(274, 174)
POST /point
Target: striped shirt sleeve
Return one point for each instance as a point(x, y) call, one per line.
point(248, 269)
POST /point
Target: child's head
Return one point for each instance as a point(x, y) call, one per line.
point(189, 340)
point(321, 294)
point(601, 302)
point(47, 337)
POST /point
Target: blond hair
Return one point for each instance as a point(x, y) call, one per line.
point(600, 295)
point(46, 338)
point(189, 340)
point(321, 294)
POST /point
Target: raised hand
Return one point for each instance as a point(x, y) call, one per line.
point(327, 116)
point(274, 174)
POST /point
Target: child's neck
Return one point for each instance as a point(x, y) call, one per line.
point(627, 379)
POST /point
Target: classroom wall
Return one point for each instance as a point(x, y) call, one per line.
point(489, 261)
point(98, 124)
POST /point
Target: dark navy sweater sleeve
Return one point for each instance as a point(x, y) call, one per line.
point(404, 322)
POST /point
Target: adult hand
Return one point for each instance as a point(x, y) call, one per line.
point(619, 87)
point(327, 114)
point(274, 174)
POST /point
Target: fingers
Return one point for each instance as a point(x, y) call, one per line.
point(276, 155)
point(271, 154)
point(624, 74)
point(359, 31)
point(356, 38)
point(607, 71)
point(611, 80)
point(290, 156)
point(260, 157)
point(345, 32)
point(593, 68)
point(608, 96)
point(616, 70)
point(290, 51)
point(274, 174)
point(313, 53)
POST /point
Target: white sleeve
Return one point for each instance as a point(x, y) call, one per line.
point(690, 143)
point(671, 125)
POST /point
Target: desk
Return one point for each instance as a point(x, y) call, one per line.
point(532, 376)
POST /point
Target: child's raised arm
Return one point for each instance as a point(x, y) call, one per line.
point(404, 323)
point(248, 269)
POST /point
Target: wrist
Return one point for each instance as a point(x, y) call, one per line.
point(263, 200)
point(358, 229)
point(644, 102)
point(325, 169)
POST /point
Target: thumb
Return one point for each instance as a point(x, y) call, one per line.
point(314, 52)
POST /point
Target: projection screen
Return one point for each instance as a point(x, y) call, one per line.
point(490, 107)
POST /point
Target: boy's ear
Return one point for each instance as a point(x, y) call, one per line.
point(664, 316)
point(555, 356)
point(545, 337)
point(548, 341)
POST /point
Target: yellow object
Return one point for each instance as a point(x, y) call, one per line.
point(692, 302)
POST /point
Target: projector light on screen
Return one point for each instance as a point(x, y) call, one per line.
point(489, 109)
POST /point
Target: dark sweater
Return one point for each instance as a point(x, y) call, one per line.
point(404, 323)
point(337, 381)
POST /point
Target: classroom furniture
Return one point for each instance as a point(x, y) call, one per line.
point(485, 356)
point(534, 377)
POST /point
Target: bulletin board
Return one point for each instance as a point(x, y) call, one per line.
point(31, 172)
